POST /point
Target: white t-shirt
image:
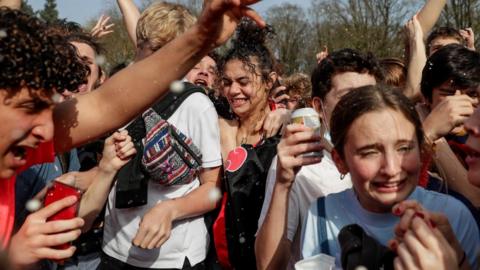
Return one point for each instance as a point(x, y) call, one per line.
point(343, 209)
point(311, 182)
point(196, 118)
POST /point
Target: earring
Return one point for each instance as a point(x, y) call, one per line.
point(342, 176)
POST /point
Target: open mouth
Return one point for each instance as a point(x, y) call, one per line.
point(471, 152)
point(200, 82)
point(473, 156)
point(389, 186)
point(19, 152)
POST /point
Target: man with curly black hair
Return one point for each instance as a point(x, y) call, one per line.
point(35, 66)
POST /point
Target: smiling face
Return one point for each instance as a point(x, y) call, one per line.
point(473, 160)
point(244, 89)
point(203, 73)
point(26, 122)
point(383, 158)
point(87, 53)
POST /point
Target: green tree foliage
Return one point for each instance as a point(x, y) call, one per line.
point(27, 8)
point(366, 25)
point(291, 41)
point(461, 14)
point(118, 47)
point(49, 12)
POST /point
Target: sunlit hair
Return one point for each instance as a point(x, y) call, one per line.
point(344, 60)
point(162, 22)
point(369, 99)
point(394, 71)
point(32, 58)
point(250, 44)
point(299, 84)
point(454, 63)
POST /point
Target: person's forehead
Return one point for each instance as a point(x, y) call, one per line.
point(209, 61)
point(25, 94)
point(236, 66)
point(84, 49)
point(348, 80)
point(445, 41)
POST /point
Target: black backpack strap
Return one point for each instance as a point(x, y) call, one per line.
point(170, 103)
point(322, 226)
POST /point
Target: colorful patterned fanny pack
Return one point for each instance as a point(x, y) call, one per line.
point(169, 157)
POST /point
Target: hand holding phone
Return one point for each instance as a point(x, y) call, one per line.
point(38, 239)
point(58, 191)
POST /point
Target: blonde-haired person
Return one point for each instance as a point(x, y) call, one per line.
point(160, 23)
point(168, 232)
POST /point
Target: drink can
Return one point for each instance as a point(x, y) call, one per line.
point(310, 118)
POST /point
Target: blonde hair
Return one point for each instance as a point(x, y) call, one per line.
point(161, 22)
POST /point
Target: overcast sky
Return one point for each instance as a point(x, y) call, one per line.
point(82, 10)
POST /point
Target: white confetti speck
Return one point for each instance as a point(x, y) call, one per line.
point(176, 87)
point(215, 194)
point(100, 60)
point(241, 240)
point(57, 98)
point(33, 205)
point(3, 33)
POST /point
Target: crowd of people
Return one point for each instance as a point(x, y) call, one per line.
point(188, 158)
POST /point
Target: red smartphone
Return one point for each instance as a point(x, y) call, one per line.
point(58, 191)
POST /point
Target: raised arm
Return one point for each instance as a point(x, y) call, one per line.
point(136, 87)
point(429, 14)
point(131, 14)
point(272, 246)
point(417, 59)
point(117, 151)
point(13, 4)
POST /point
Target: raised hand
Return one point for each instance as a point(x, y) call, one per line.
point(424, 247)
point(409, 211)
point(297, 140)
point(231, 12)
point(414, 32)
point(102, 28)
point(37, 238)
point(322, 55)
point(447, 115)
point(469, 37)
point(117, 151)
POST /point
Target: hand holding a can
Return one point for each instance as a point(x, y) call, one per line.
point(294, 151)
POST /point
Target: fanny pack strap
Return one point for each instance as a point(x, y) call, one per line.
point(322, 226)
point(170, 103)
point(132, 180)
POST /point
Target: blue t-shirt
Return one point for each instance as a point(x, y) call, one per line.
point(343, 209)
point(35, 178)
